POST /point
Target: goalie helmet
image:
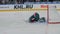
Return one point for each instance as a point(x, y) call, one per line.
point(35, 13)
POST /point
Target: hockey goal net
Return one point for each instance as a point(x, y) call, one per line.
point(53, 15)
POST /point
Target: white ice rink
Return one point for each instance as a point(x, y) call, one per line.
point(14, 23)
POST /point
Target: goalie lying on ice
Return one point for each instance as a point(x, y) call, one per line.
point(34, 17)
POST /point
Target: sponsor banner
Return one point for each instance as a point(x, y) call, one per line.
point(26, 6)
point(22, 6)
point(40, 6)
point(44, 6)
point(6, 7)
point(18, 6)
point(29, 6)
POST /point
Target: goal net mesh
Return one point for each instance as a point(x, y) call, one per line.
point(53, 15)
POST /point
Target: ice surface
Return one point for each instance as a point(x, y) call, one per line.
point(14, 23)
point(53, 29)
